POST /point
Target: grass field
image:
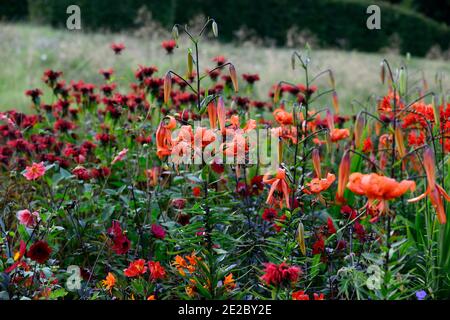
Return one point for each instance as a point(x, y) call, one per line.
point(27, 50)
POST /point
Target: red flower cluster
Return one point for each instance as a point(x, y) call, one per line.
point(139, 267)
point(281, 274)
point(121, 244)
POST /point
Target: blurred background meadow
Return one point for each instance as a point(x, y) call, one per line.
point(256, 37)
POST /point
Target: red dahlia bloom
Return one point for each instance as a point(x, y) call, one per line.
point(39, 252)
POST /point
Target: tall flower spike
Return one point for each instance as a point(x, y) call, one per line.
point(434, 190)
point(344, 171)
point(167, 86)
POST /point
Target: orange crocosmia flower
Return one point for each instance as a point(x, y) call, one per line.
point(378, 189)
point(109, 282)
point(318, 185)
point(193, 259)
point(135, 269)
point(164, 138)
point(434, 190)
point(229, 283)
point(180, 262)
point(283, 117)
point(279, 190)
point(152, 297)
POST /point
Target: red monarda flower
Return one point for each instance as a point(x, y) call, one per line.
point(39, 252)
point(117, 47)
point(169, 45)
point(250, 78)
point(280, 274)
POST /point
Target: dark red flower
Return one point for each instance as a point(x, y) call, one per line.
point(280, 274)
point(39, 252)
point(158, 231)
point(270, 214)
point(250, 78)
point(330, 226)
point(318, 246)
point(169, 45)
point(117, 47)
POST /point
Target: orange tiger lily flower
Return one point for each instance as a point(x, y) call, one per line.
point(317, 185)
point(434, 191)
point(335, 133)
point(164, 138)
point(378, 189)
point(283, 117)
point(279, 190)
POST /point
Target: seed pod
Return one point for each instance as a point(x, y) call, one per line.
point(175, 33)
point(301, 238)
point(399, 142)
point(221, 113)
point(215, 29)
point(293, 61)
point(332, 82)
point(359, 127)
point(316, 162)
point(233, 76)
point(335, 102)
point(402, 81)
point(167, 86)
point(276, 95)
point(190, 63)
point(382, 72)
point(436, 112)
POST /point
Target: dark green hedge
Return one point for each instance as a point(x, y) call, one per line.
point(330, 20)
point(13, 9)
